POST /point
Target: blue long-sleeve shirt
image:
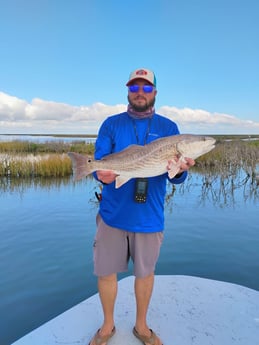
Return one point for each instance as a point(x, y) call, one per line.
point(118, 208)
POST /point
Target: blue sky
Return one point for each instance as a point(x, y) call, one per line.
point(64, 64)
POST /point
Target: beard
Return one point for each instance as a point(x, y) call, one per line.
point(144, 107)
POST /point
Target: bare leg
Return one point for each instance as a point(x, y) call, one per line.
point(107, 287)
point(143, 293)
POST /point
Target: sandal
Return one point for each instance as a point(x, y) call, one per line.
point(98, 340)
point(152, 340)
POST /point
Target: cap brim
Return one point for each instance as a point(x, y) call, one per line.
point(134, 79)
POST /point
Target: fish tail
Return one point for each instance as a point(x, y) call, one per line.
point(80, 165)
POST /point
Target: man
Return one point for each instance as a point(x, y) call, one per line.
point(130, 221)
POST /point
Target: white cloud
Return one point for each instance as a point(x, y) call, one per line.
point(40, 116)
point(46, 110)
point(201, 121)
point(11, 108)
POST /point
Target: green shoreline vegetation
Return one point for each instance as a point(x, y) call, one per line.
point(28, 159)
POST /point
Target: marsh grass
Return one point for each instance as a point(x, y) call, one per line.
point(46, 165)
point(17, 146)
point(27, 159)
point(231, 166)
point(230, 156)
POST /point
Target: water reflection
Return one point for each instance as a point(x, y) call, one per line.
point(223, 190)
point(220, 189)
point(20, 185)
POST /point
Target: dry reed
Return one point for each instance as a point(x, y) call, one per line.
point(50, 165)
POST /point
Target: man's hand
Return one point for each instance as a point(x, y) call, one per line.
point(186, 164)
point(106, 176)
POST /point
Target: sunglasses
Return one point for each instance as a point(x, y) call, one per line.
point(145, 88)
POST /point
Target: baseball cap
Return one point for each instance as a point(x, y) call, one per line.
point(142, 73)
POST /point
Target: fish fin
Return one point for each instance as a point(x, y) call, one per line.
point(120, 180)
point(174, 167)
point(172, 172)
point(79, 165)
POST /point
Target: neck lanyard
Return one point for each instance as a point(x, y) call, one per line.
point(136, 132)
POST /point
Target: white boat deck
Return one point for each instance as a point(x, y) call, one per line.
point(183, 311)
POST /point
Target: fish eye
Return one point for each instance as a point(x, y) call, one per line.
point(89, 160)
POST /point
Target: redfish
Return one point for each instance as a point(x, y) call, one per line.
point(145, 161)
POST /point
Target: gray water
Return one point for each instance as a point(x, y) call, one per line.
point(47, 229)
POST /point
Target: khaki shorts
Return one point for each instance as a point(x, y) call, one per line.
point(114, 247)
